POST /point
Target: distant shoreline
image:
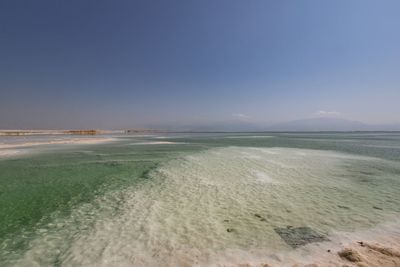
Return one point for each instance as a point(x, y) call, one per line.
point(154, 131)
point(55, 132)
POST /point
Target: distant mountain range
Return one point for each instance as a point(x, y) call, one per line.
point(304, 125)
point(331, 124)
point(313, 124)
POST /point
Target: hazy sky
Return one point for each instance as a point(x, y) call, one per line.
point(120, 64)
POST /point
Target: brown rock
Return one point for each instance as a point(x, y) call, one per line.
point(350, 255)
point(383, 250)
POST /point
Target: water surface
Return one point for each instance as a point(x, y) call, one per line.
point(192, 199)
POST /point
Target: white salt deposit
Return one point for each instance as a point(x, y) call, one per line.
point(216, 207)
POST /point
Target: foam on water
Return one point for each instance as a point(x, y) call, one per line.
point(155, 143)
point(220, 206)
point(250, 136)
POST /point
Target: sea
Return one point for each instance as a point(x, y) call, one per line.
point(194, 199)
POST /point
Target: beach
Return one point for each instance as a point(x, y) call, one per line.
point(379, 246)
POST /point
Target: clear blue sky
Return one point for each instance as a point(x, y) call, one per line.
point(122, 64)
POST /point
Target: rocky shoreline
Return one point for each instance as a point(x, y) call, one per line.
point(360, 254)
point(376, 250)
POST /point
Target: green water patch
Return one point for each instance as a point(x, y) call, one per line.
point(58, 179)
point(30, 193)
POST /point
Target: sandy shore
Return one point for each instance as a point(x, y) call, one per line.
point(376, 247)
point(360, 254)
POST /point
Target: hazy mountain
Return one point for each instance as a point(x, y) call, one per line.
point(313, 124)
point(226, 126)
point(330, 124)
point(320, 124)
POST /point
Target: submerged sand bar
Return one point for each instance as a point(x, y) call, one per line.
point(54, 132)
point(20, 146)
point(60, 142)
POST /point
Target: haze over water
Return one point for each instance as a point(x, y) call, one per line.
point(195, 199)
point(199, 65)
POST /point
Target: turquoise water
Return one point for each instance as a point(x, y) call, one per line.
point(191, 199)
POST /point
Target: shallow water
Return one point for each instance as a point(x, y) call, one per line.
point(192, 199)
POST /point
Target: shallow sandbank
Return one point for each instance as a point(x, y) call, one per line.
point(17, 148)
